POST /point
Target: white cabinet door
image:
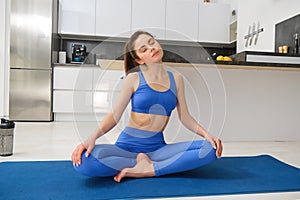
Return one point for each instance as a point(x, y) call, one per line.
point(214, 22)
point(149, 16)
point(73, 78)
point(182, 20)
point(107, 86)
point(77, 17)
point(113, 18)
point(72, 102)
point(107, 80)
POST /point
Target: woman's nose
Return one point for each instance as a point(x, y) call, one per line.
point(151, 48)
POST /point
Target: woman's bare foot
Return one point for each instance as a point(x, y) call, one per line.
point(142, 156)
point(143, 168)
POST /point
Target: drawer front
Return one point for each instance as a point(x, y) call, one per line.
point(73, 78)
point(72, 101)
point(107, 80)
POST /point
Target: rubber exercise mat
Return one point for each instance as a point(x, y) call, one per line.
point(228, 175)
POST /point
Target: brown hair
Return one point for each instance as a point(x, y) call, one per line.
point(130, 65)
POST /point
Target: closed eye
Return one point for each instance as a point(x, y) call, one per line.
point(151, 41)
point(143, 49)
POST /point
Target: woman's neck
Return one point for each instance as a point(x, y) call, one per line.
point(155, 69)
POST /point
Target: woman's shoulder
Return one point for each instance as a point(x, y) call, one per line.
point(132, 75)
point(177, 76)
point(132, 79)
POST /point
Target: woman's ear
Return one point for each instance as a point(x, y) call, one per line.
point(139, 61)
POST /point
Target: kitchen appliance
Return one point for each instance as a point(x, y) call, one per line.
point(32, 39)
point(78, 53)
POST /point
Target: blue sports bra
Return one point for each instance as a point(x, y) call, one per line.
point(149, 101)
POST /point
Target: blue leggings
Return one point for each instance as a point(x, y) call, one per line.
point(110, 159)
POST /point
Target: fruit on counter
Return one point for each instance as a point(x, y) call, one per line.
point(223, 58)
point(220, 58)
point(226, 58)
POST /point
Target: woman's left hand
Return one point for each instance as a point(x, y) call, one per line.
point(216, 143)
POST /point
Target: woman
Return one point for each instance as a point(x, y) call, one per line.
point(140, 150)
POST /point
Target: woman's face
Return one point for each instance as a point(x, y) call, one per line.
point(148, 50)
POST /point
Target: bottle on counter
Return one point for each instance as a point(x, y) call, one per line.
point(296, 47)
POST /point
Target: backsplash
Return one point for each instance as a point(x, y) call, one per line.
point(285, 31)
point(99, 48)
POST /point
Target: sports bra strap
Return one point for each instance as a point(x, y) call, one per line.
point(172, 82)
point(142, 78)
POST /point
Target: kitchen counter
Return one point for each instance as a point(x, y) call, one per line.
point(118, 65)
point(268, 58)
point(74, 65)
point(231, 97)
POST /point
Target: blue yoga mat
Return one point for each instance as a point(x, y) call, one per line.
point(228, 175)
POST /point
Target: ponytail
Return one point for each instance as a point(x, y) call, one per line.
point(130, 64)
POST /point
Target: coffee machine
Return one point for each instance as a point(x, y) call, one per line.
point(78, 53)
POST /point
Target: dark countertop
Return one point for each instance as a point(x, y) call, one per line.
point(238, 60)
point(230, 64)
point(241, 59)
point(262, 64)
point(266, 54)
point(74, 65)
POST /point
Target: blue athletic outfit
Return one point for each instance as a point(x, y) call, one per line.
point(110, 159)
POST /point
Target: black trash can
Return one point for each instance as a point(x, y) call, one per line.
point(6, 137)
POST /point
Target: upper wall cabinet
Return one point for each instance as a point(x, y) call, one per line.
point(214, 22)
point(149, 16)
point(77, 17)
point(113, 18)
point(182, 20)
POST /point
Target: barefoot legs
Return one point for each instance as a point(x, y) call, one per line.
point(143, 168)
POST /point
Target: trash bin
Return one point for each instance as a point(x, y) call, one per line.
point(6, 137)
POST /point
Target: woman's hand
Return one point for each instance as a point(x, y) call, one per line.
point(88, 145)
point(216, 143)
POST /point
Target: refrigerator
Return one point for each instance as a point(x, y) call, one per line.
point(33, 43)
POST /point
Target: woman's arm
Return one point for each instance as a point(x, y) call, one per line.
point(109, 121)
point(188, 121)
point(115, 115)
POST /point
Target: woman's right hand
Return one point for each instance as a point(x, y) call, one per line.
point(88, 145)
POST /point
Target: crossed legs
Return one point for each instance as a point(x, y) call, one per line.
point(110, 160)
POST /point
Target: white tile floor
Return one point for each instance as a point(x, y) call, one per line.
point(56, 141)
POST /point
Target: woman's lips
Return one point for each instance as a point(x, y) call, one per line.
point(155, 53)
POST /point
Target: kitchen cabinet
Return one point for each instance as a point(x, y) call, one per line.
point(72, 90)
point(107, 80)
point(214, 22)
point(77, 17)
point(73, 78)
point(149, 16)
point(88, 92)
point(182, 20)
point(113, 18)
point(69, 101)
point(107, 85)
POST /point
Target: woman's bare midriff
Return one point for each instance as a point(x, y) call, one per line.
point(149, 122)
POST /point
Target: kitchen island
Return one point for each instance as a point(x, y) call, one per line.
point(236, 101)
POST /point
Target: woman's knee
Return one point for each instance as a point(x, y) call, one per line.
point(92, 167)
point(207, 151)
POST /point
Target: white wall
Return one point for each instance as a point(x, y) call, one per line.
point(268, 13)
point(4, 58)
